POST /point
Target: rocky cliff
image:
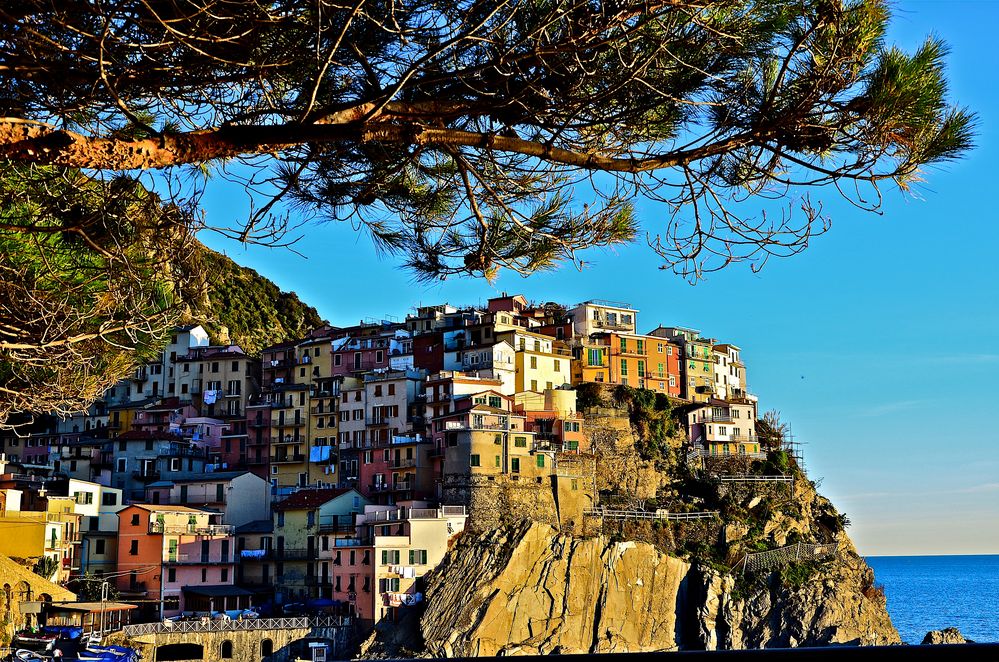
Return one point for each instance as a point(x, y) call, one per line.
point(765, 564)
point(526, 589)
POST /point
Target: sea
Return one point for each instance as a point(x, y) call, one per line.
point(933, 592)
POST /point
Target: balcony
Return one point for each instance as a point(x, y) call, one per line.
point(717, 418)
point(634, 351)
point(404, 463)
point(192, 529)
point(379, 487)
point(291, 458)
point(258, 424)
point(377, 421)
point(289, 554)
point(613, 326)
point(146, 476)
point(288, 439)
point(195, 559)
point(276, 364)
point(402, 486)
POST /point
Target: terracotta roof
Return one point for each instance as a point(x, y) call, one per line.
point(305, 499)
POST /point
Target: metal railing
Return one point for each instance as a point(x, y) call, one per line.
point(214, 625)
point(785, 555)
point(192, 529)
point(608, 513)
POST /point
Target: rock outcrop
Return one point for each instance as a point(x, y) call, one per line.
point(945, 636)
point(526, 589)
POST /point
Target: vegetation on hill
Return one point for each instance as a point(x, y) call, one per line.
point(252, 309)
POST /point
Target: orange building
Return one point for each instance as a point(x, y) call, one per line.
point(629, 359)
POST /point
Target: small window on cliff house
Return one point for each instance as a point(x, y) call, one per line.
point(266, 648)
point(541, 461)
point(574, 484)
point(515, 465)
point(225, 650)
point(473, 460)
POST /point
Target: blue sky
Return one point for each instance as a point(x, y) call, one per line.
point(879, 344)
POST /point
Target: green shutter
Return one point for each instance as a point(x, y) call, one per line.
point(541, 461)
point(385, 557)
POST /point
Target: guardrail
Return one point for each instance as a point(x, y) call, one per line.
point(213, 625)
point(609, 513)
point(785, 555)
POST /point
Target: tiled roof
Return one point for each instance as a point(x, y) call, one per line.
point(305, 499)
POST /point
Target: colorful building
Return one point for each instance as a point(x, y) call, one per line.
point(174, 555)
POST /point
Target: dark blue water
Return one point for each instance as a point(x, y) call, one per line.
point(933, 592)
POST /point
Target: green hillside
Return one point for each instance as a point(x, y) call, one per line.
point(253, 309)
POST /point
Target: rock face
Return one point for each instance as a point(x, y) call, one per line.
point(526, 589)
point(945, 636)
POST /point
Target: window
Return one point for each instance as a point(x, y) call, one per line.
point(473, 460)
point(379, 356)
point(133, 548)
point(641, 368)
point(625, 319)
point(235, 387)
point(390, 557)
point(122, 464)
point(224, 575)
point(388, 584)
point(266, 648)
point(497, 461)
point(337, 360)
point(176, 464)
point(225, 650)
point(624, 344)
point(172, 574)
point(515, 465)
point(391, 389)
point(280, 518)
point(574, 484)
point(99, 546)
point(534, 362)
point(496, 401)
point(541, 461)
point(520, 442)
point(534, 385)
point(624, 367)
point(135, 519)
point(378, 390)
point(417, 557)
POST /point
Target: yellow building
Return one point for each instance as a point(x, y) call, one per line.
point(539, 363)
point(290, 414)
point(303, 523)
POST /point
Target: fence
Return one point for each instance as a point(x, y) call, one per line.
point(608, 513)
point(784, 555)
point(211, 625)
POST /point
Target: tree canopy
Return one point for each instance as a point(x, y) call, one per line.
point(465, 136)
point(468, 136)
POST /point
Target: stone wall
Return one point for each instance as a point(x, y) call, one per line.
point(17, 585)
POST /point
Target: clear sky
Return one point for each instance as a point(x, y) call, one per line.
point(879, 344)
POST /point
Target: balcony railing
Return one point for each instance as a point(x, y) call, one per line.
point(192, 529)
point(195, 559)
point(716, 418)
point(403, 463)
point(292, 458)
point(402, 486)
point(377, 420)
point(288, 439)
point(146, 476)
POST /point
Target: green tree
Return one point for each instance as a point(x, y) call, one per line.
point(464, 136)
point(461, 134)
